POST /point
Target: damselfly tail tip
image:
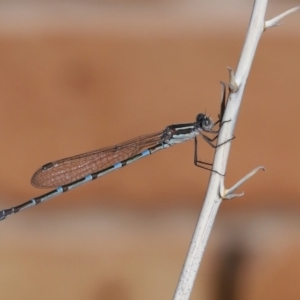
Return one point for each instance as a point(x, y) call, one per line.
point(2, 215)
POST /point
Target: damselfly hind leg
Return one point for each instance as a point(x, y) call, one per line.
point(200, 163)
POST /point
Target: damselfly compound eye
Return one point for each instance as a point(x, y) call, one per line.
point(200, 118)
point(207, 124)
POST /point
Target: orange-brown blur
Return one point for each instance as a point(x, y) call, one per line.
point(75, 77)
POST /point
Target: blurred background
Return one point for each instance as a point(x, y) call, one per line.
point(80, 75)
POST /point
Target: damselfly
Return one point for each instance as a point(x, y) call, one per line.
point(68, 173)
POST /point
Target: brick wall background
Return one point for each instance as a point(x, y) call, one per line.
point(77, 76)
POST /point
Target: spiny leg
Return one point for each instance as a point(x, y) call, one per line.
point(223, 104)
point(223, 101)
point(210, 141)
point(196, 160)
point(200, 163)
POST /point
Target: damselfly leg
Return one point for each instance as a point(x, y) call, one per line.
point(203, 164)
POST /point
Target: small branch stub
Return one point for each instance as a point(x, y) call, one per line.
point(275, 21)
point(227, 194)
point(233, 87)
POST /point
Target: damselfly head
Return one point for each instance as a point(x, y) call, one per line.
point(204, 122)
